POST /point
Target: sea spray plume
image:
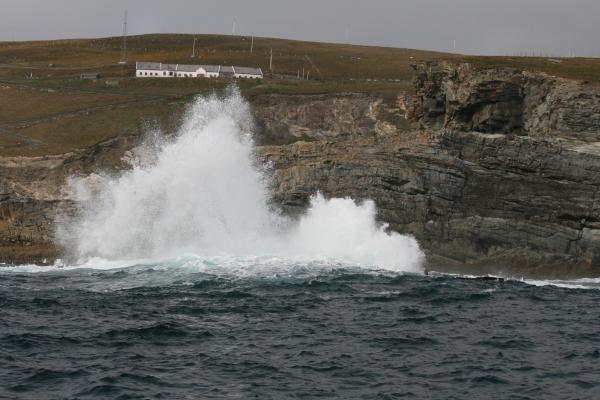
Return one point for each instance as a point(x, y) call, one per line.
point(339, 229)
point(203, 192)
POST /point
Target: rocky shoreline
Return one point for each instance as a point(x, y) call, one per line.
point(493, 171)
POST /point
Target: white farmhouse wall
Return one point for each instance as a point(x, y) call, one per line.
point(142, 73)
point(248, 76)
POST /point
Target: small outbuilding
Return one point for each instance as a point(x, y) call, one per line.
point(89, 76)
point(248, 73)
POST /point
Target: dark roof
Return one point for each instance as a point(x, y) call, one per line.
point(148, 65)
point(168, 67)
point(211, 68)
point(226, 70)
point(187, 68)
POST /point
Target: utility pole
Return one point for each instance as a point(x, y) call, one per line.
point(252, 44)
point(271, 61)
point(194, 49)
point(124, 42)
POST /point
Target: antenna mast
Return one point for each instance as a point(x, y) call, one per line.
point(124, 43)
point(252, 44)
point(271, 61)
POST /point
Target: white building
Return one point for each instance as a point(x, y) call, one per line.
point(247, 73)
point(160, 70)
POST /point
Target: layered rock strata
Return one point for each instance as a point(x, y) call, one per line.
point(498, 175)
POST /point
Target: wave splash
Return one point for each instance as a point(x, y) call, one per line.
point(203, 192)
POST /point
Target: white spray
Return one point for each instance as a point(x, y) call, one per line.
point(204, 193)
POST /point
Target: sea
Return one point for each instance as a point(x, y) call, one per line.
point(181, 280)
point(177, 331)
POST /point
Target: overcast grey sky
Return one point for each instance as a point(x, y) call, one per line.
point(478, 26)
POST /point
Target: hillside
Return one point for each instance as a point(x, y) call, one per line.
point(323, 60)
point(46, 109)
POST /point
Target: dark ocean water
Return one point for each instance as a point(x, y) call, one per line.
point(347, 334)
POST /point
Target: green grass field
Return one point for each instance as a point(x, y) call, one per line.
point(46, 109)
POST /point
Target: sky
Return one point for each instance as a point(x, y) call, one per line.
point(490, 27)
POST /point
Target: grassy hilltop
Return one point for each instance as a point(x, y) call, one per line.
point(46, 109)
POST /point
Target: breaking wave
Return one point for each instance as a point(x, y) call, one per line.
point(202, 192)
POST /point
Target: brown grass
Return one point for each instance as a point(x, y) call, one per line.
point(329, 61)
point(20, 103)
point(74, 132)
point(66, 113)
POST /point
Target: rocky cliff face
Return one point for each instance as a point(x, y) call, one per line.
point(460, 98)
point(287, 119)
point(493, 171)
point(501, 175)
point(34, 192)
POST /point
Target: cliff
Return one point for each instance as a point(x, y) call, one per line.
point(493, 171)
point(498, 175)
point(34, 192)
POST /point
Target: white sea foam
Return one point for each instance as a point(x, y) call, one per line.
point(584, 283)
point(203, 193)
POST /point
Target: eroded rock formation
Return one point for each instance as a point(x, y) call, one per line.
point(499, 176)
